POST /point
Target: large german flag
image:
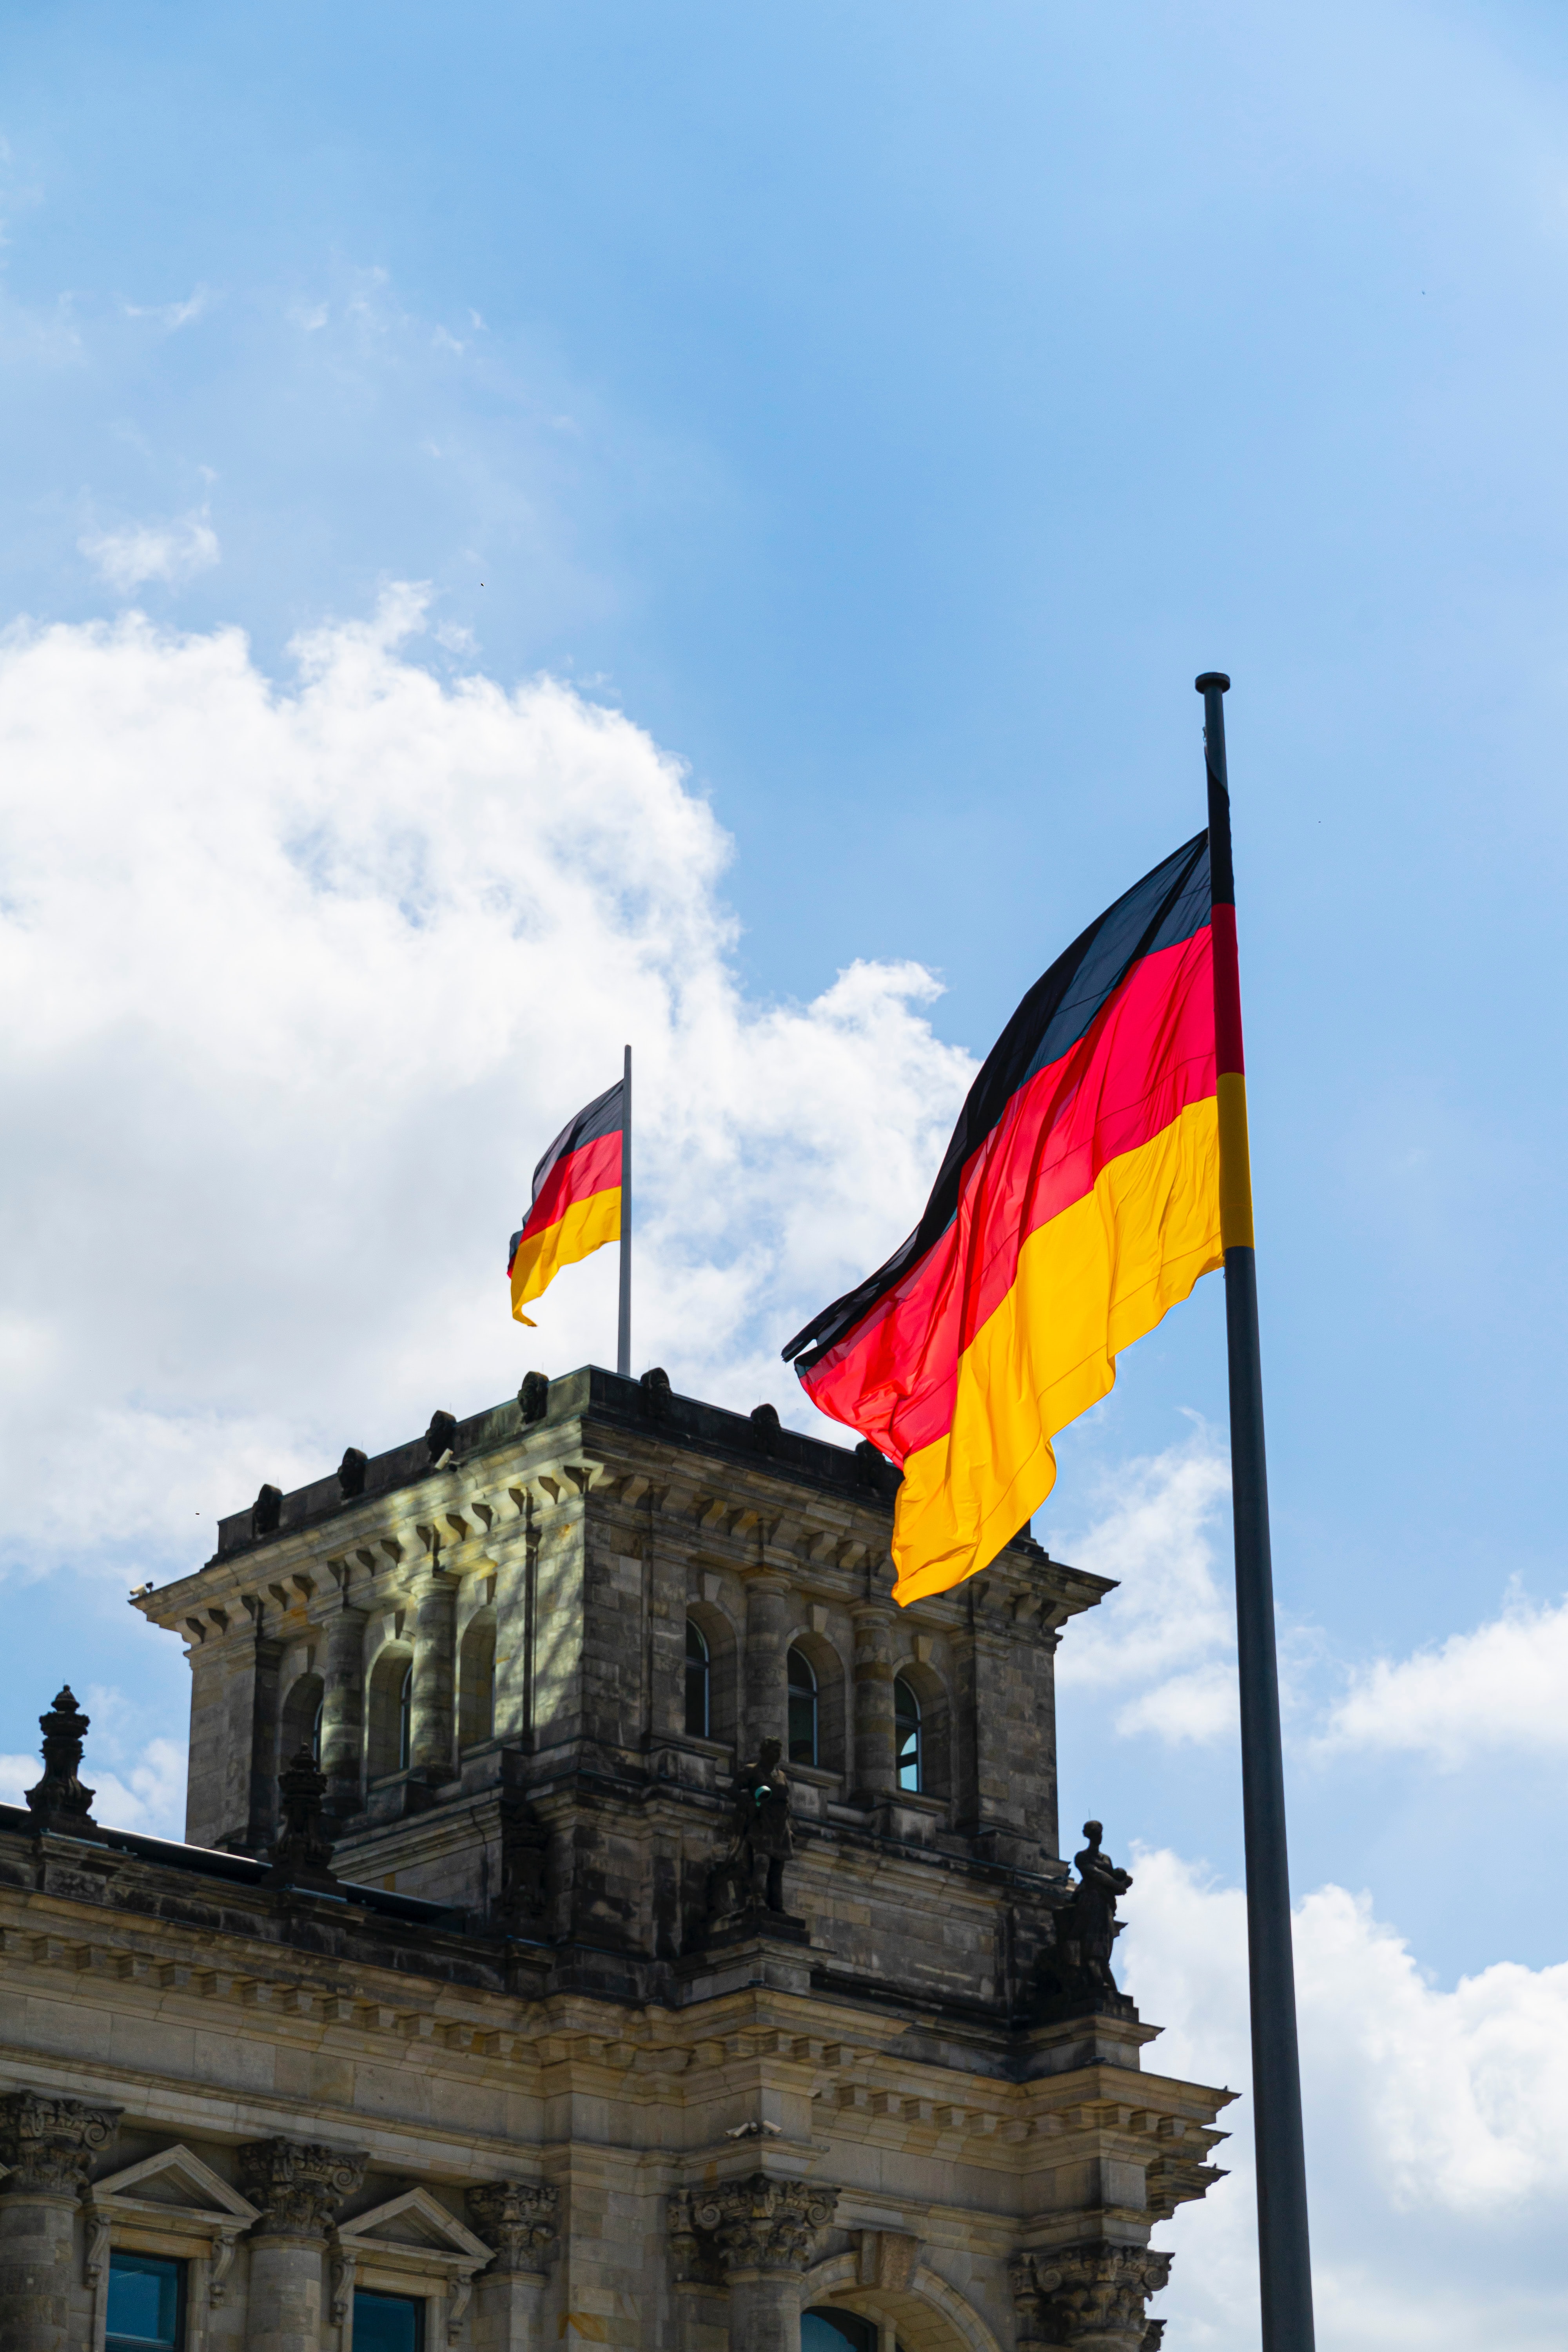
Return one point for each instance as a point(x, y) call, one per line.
point(1078, 1199)
point(576, 1199)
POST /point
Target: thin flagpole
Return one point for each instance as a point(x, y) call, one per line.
point(1283, 2249)
point(623, 1335)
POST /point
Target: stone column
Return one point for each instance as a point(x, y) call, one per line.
point(875, 1733)
point(433, 1731)
point(298, 2185)
point(767, 1639)
point(760, 2233)
point(519, 2222)
point(343, 1713)
point(50, 2146)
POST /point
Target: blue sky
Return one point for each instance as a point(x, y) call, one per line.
point(888, 409)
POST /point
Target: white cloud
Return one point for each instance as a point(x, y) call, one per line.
point(1166, 1635)
point(173, 315)
point(170, 551)
point(1432, 2121)
point(312, 975)
point(1501, 1688)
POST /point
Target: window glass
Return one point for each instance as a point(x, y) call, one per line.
point(907, 1724)
point(698, 1681)
point(406, 1719)
point(388, 2322)
point(146, 2293)
point(802, 1709)
point(316, 1731)
point(824, 2330)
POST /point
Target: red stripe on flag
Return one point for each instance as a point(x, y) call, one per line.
point(1149, 1054)
point(592, 1168)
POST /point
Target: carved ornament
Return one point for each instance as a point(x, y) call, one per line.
point(299, 2184)
point(518, 2220)
point(49, 2145)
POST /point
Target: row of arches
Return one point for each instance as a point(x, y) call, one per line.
point(389, 1702)
point(815, 1712)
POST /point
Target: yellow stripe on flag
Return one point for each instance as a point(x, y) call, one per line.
point(584, 1227)
point(1090, 1282)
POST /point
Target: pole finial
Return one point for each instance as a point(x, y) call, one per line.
point(1215, 677)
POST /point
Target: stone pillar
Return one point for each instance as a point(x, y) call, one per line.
point(50, 2146)
point(1088, 2298)
point(519, 2222)
point(875, 1733)
point(298, 2185)
point(760, 2232)
point(433, 1731)
point(767, 1639)
point(255, 1691)
point(343, 1713)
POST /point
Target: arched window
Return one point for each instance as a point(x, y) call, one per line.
point(699, 1683)
point(907, 1728)
point(406, 1719)
point(824, 2328)
point(300, 1725)
point(316, 1731)
point(477, 1680)
point(803, 1709)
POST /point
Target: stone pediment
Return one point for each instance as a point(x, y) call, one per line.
point(414, 2225)
point(177, 2183)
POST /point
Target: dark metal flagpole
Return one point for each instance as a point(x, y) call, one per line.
point(624, 1332)
point(1284, 2255)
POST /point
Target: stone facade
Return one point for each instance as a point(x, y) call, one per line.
point(465, 1989)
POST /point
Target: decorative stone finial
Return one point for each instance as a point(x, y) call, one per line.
point(302, 1852)
point(656, 1391)
point(350, 1473)
point(265, 1511)
point(533, 1396)
point(441, 1437)
point(61, 1801)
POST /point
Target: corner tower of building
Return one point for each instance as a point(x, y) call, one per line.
point(602, 1911)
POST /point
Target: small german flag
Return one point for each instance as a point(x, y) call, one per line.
point(1078, 1199)
point(576, 1203)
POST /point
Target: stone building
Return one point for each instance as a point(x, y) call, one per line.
point(510, 1991)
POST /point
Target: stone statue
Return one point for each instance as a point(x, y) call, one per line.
point(1086, 1927)
point(751, 1876)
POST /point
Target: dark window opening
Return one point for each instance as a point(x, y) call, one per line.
point(146, 2303)
point(824, 2330)
point(316, 1731)
point(699, 1683)
point(907, 1725)
point(388, 2322)
point(803, 1709)
point(406, 1719)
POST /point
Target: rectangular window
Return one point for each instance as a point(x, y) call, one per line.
point(388, 2322)
point(146, 2303)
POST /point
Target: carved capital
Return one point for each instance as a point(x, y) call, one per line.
point(520, 2221)
point(756, 2224)
point(299, 2184)
point(1093, 2294)
point(51, 2145)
